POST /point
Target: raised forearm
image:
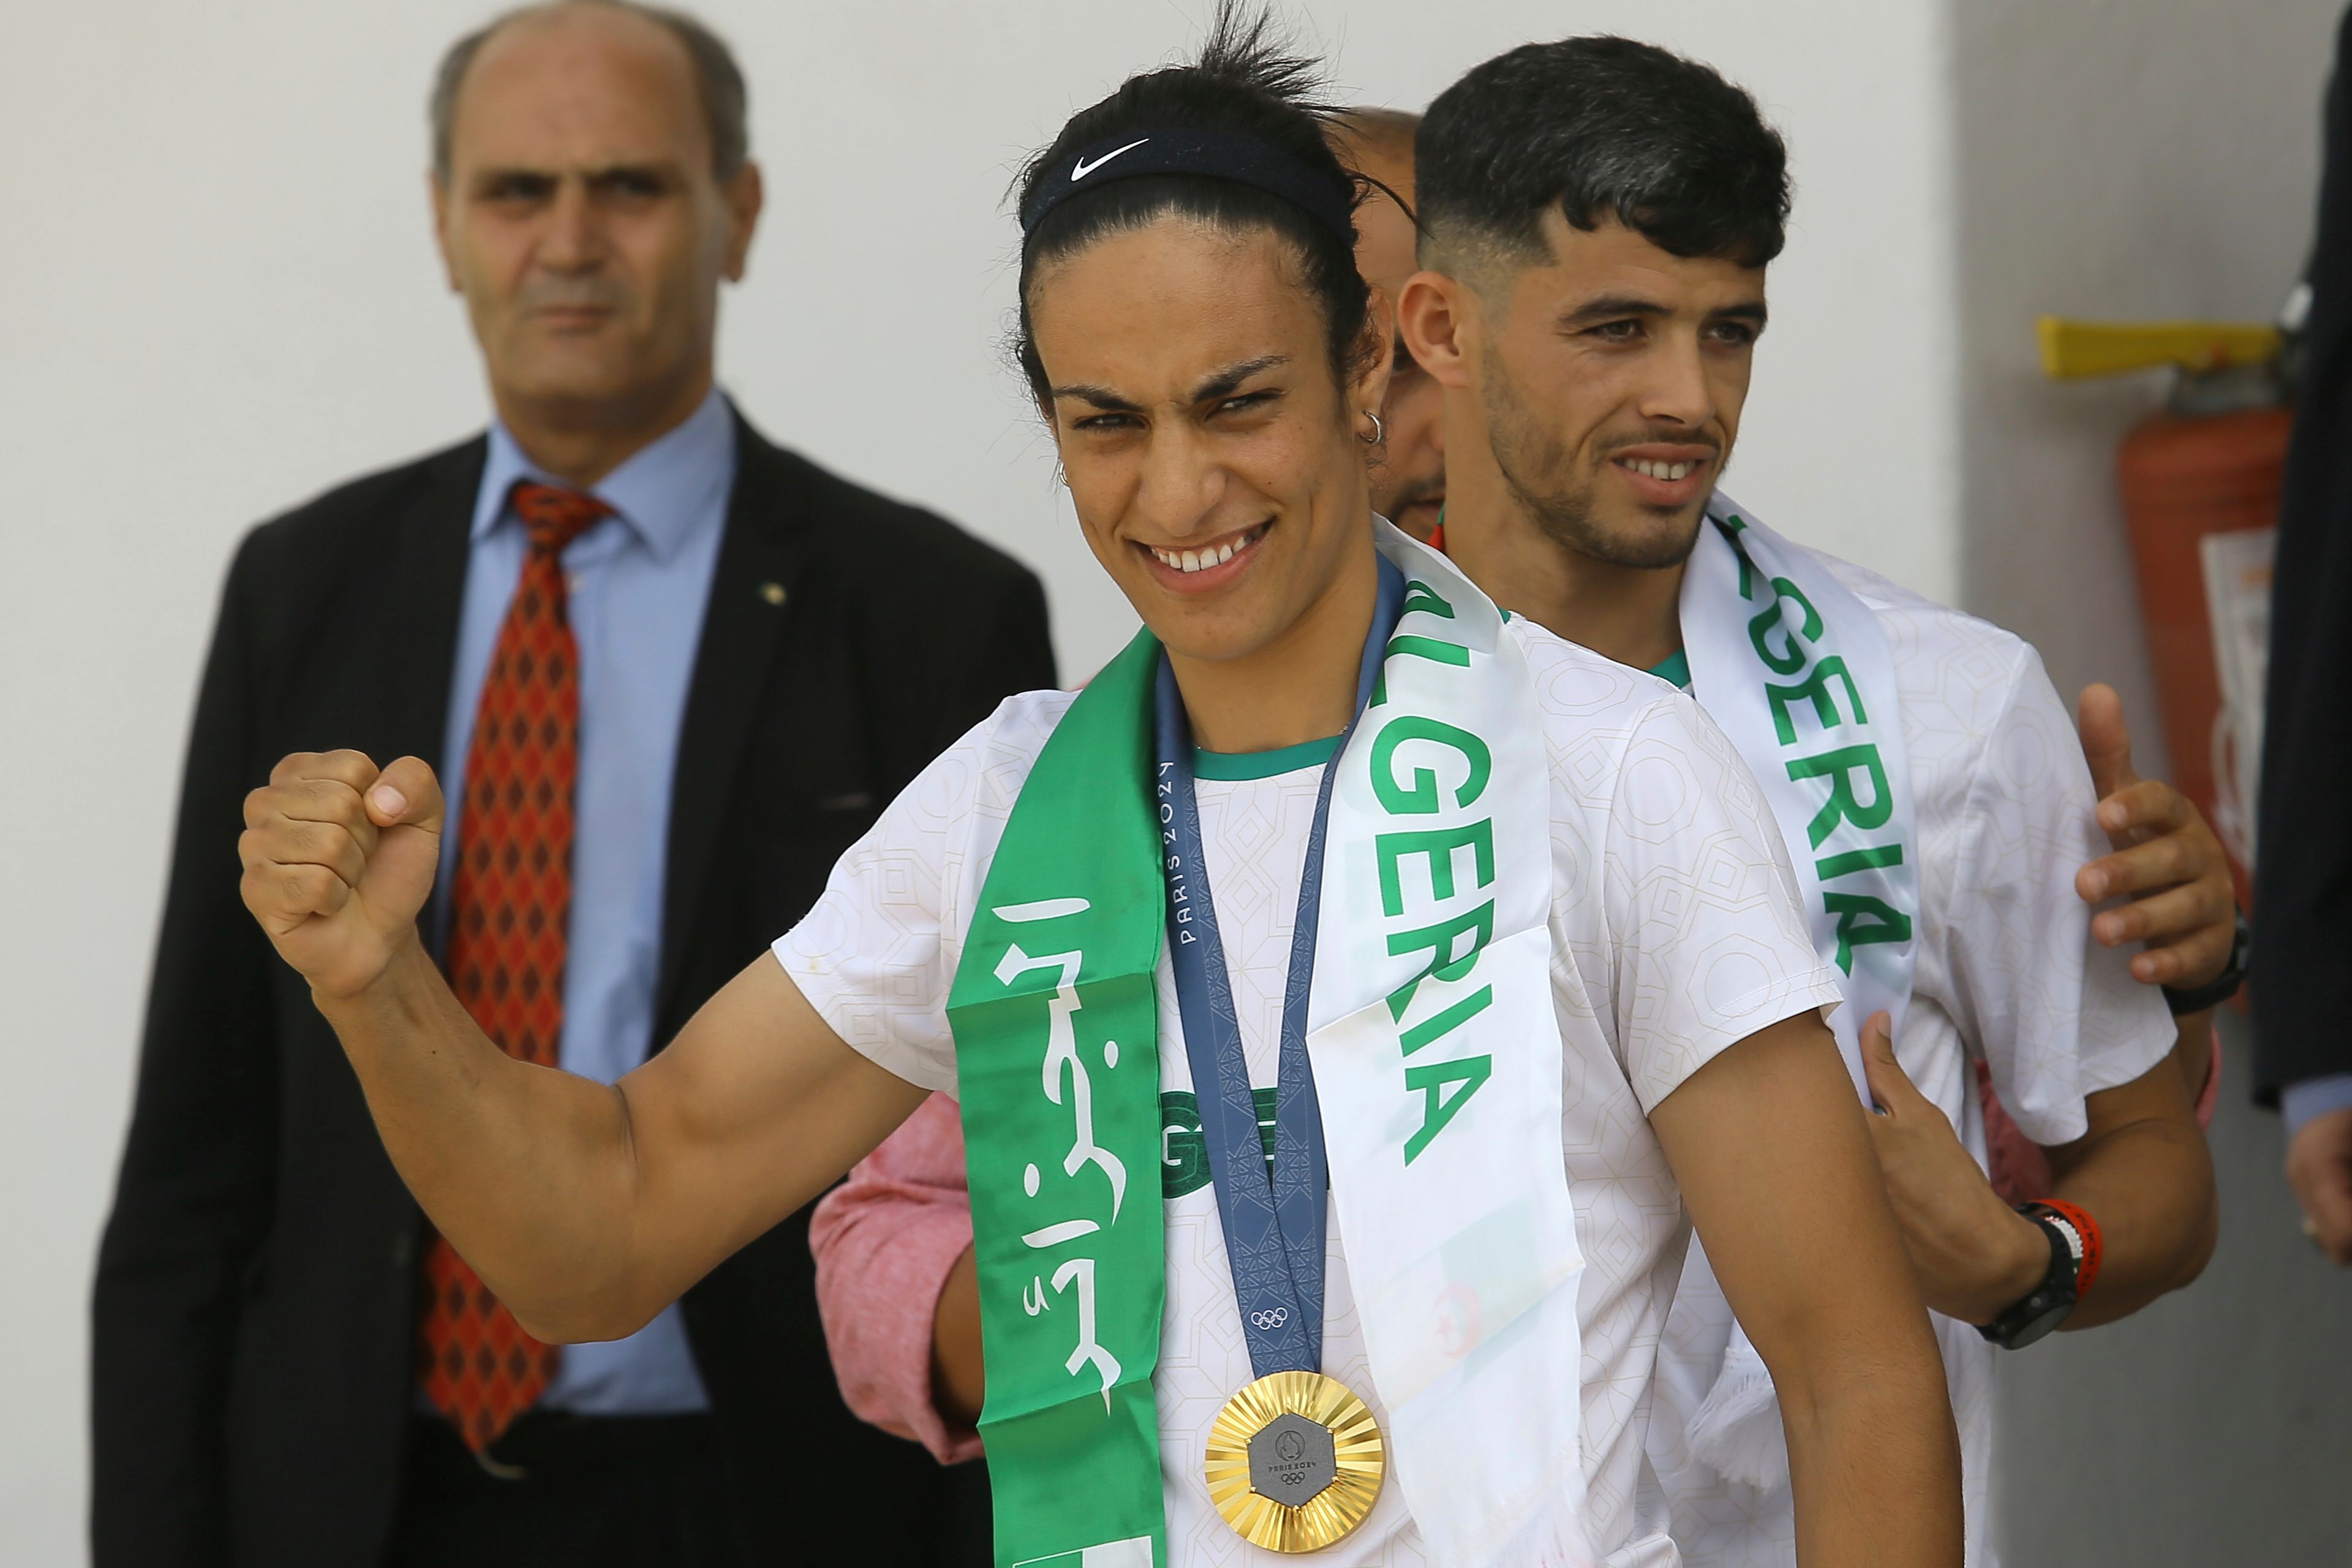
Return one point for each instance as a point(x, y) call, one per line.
point(586, 1208)
point(527, 1171)
point(2142, 1172)
point(2149, 1182)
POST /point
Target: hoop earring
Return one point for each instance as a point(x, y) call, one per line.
point(1379, 432)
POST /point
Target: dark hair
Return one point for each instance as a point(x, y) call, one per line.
point(1602, 127)
point(716, 78)
point(1242, 84)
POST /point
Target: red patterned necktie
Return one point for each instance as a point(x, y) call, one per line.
point(508, 903)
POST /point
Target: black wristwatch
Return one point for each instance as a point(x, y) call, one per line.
point(2222, 987)
point(2042, 1309)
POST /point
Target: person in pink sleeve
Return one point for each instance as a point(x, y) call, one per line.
point(891, 1242)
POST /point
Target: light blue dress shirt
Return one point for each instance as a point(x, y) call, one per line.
point(2312, 1097)
point(638, 582)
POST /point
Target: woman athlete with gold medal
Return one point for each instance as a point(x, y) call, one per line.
point(1179, 168)
point(1295, 1460)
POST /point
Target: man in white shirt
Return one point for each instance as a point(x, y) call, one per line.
point(1598, 215)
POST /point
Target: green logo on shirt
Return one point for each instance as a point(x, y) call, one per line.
point(1184, 1153)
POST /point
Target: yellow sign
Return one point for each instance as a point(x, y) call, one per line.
point(2070, 348)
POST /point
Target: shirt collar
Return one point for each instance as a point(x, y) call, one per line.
point(661, 492)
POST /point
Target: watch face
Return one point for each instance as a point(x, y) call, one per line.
point(2040, 1324)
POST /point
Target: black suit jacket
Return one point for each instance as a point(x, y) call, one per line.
point(254, 1315)
point(2301, 982)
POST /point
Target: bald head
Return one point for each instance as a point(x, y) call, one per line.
point(581, 215)
point(715, 82)
point(1408, 475)
point(1374, 139)
point(1378, 144)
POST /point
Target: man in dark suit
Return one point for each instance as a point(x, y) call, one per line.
point(2303, 914)
point(672, 672)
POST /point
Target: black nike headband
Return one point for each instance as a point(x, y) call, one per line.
point(1209, 154)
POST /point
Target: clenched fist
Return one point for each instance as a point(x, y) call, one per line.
point(339, 857)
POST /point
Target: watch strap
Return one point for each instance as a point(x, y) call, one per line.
point(2222, 986)
point(2089, 1246)
point(2042, 1310)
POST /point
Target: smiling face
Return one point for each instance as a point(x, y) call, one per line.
point(1210, 451)
point(1611, 379)
point(581, 219)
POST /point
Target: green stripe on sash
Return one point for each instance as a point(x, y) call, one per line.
point(1056, 1028)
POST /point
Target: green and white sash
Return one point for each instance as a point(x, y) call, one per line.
point(1437, 1060)
point(1796, 671)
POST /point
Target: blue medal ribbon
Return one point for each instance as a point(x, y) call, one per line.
point(1274, 1225)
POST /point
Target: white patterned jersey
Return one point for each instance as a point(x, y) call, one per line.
point(2007, 970)
point(1675, 933)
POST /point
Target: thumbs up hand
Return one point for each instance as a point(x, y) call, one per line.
point(2184, 905)
point(339, 857)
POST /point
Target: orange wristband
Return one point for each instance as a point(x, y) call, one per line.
point(2088, 1267)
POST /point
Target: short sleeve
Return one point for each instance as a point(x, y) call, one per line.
point(1710, 942)
point(2057, 1016)
point(876, 956)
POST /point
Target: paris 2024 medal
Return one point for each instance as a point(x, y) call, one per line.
point(1295, 1461)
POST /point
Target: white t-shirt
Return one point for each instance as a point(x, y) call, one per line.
point(1675, 933)
point(2007, 970)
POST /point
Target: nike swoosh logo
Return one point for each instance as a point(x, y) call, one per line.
point(1085, 168)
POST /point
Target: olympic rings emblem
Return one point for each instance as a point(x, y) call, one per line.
point(1272, 1317)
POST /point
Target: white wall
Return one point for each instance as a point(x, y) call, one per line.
point(2110, 168)
point(218, 297)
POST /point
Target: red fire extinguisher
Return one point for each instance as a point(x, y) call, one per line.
point(2200, 490)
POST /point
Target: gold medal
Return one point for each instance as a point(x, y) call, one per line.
point(1295, 1461)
